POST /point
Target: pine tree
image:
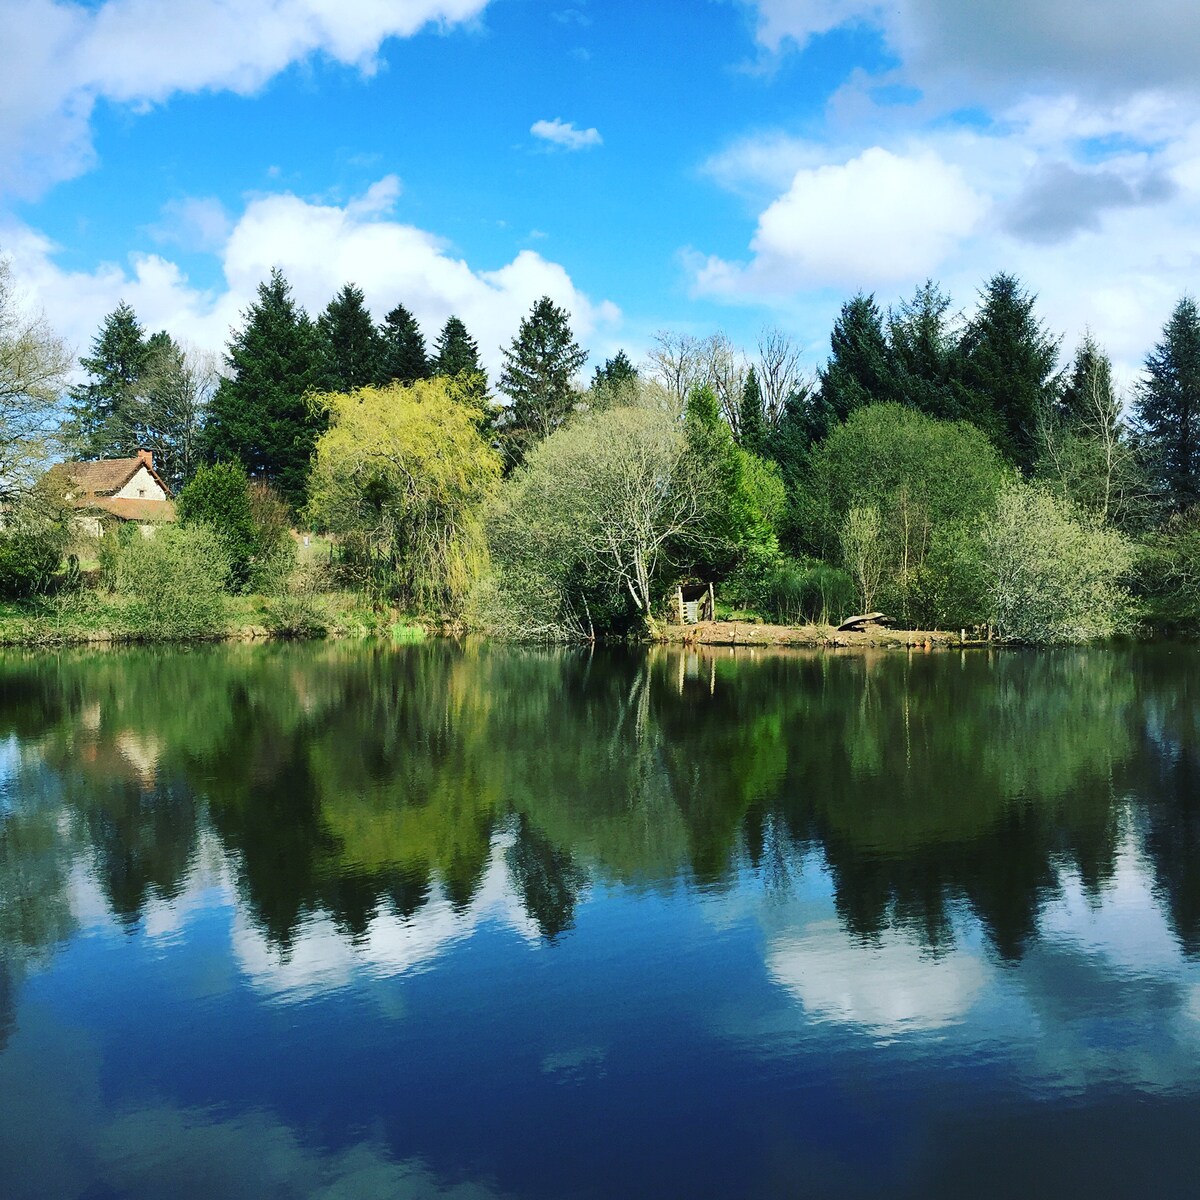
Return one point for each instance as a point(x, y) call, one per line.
point(1168, 409)
point(455, 350)
point(752, 426)
point(260, 415)
point(617, 372)
point(924, 353)
point(100, 424)
point(1089, 393)
point(404, 358)
point(858, 371)
point(1009, 375)
point(539, 370)
point(353, 348)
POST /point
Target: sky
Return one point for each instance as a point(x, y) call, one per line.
point(688, 166)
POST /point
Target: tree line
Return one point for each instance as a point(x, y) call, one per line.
point(950, 467)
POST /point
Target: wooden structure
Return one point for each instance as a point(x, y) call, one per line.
point(694, 602)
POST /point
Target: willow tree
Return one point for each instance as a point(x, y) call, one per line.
point(403, 473)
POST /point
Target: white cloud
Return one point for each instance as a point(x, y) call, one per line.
point(880, 218)
point(58, 58)
point(990, 47)
point(564, 134)
point(319, 247)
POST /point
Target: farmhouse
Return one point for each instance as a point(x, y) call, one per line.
point(116, 489)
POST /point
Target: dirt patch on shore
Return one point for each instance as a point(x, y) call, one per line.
point(747, 633)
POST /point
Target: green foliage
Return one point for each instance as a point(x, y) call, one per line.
point(260, 415)
point(539, 372)
point(920, 475)
point(924, 351)
point(34, 537)
point(404, 359)
point(296, 608)
point(1168, 409)
point(616, 373)
point(788, 591)
point(752, 425)
point(1168, 572)
point(251, 520)
point(402, 474)
point(34, 363)
point(174, 582)
point(582, 536)
point(100, 424)
point(353, 349)
point(1052, 574)
point(1009, 365)
point(858, 371)
point(747, 501)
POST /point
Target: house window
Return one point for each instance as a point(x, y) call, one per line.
point(141, 493)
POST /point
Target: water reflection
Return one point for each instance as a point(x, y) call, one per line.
point(566, 868)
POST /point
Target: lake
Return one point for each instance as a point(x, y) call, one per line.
point(471, 922)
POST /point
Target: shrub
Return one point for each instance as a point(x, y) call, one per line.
point(175, 583)
point(251, 520)
point(34, 537)
point(1052, 574)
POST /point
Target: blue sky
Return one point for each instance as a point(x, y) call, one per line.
point(715, 164)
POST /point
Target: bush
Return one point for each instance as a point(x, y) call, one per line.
point(175, 583)
point(1052, 574)
point(251, 520)
point(34, 537)
point(297, 610)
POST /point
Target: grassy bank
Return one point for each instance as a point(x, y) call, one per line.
point(94, 617)
point(748, 633)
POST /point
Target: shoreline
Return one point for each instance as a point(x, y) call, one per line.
point(820, 637)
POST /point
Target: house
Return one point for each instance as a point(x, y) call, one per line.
point(116, 490)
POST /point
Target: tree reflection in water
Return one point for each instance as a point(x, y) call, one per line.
point(350, 781)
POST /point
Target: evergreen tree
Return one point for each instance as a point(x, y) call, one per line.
point(404, 359)
point(752, 426)
point(539, 369)
point(858, 371)
point(455, 350)
point(100, 424)
point(617, 372)
point(924, 353)
point(260, 415)
point(353, 348)
point(1089, 389)
point(1009, 377)
point(1168, 409)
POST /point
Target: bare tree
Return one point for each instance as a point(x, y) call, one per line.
point(674, 362)
point(34, 363)
point(724, 369)
point(779, 374)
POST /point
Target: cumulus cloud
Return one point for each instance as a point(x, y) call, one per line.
point(991, 46)
point(319, 247)
point(58, 58)
point(564, 134)
point(879, 218)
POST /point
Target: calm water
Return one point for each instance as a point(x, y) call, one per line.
point(342, 922)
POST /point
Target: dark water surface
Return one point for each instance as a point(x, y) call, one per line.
point(344, 922)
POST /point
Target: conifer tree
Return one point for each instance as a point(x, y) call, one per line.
point(924, 353)
point(404, 358)
point(1089, 389)
point(260, 415)
point(353, 348)
point(1009, 370)
point(752, 426)
point(455, 350)
point(858, 371)
point(617, 372)
point(100, 424)
point(1168, 409)
point(538, 375)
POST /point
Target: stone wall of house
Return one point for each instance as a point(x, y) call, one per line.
point(141, 487)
